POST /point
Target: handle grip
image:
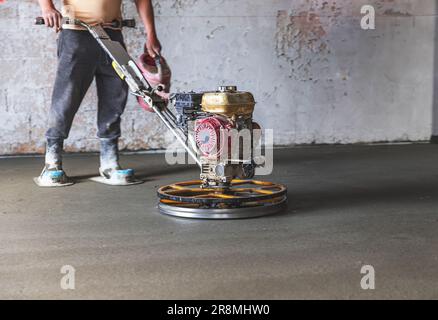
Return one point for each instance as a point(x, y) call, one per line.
point(159, 66)
point(129, 23)
point(39, 21)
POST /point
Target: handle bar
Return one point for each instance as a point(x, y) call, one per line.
point(128, 23)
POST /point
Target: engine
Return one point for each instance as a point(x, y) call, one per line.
point(219, 125)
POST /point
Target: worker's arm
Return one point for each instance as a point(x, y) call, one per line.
point(146, 12)
point(52, 17)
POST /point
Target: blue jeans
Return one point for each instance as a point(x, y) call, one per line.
point(80, 60)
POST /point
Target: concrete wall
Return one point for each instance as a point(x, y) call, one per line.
point(317, 76)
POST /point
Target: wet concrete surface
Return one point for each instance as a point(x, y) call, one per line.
point(349, 206)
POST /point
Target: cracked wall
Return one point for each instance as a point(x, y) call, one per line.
point(316, 75)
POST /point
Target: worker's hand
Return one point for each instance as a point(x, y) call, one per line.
point(153, 46)
point(52, 18)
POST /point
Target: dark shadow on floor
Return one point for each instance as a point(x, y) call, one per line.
point(148, 172)
point(377, 192)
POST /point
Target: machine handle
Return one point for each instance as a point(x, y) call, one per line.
point(128, 23)
point(159, 65)
point(157, 59)
point(39, 21)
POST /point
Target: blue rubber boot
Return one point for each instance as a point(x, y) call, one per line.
point(53, 175)
point(110, 170)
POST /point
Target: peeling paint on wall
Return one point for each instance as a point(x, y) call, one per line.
point(394, 8)
point(180, 5)
point(301, 38)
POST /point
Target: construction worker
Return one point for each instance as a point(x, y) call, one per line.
point(80, 61)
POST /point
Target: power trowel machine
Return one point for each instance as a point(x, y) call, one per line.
point(215, 128)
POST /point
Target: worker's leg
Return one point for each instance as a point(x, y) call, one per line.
point(78, 55)
point(109, 154)
point(113, 93)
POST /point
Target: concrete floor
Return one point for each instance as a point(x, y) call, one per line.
point(349, 206)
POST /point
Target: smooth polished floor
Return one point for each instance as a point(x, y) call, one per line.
point(349, 206)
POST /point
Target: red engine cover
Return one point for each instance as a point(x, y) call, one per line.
point(209, 135)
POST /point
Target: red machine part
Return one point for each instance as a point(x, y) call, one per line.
point(155, 75)
point(209, 135)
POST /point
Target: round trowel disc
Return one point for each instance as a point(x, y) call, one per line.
point(244, 199)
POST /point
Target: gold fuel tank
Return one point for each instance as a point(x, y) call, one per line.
point(229, 102)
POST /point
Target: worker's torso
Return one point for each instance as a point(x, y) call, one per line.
point(92, 11)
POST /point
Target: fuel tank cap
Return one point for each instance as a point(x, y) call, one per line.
point(227, 88)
